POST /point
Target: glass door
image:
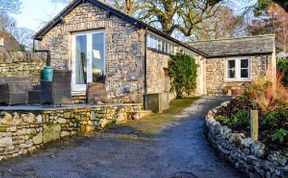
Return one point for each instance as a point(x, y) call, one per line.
point(88, 59)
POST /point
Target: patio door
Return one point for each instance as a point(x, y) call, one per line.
point(88, 59)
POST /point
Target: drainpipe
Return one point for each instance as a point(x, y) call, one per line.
point(47, 72)
point(145, 62)
point(48, 61)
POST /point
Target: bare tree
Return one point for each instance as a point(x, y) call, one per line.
point(275, 21)
point(223, 24)
point(169, 15)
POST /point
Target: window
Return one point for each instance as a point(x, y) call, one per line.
point(1, 41)
point(238, 69)
point(231, 69)
point(160, 44)
point(244, 68)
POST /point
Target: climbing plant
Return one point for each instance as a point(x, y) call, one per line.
point(183, 73)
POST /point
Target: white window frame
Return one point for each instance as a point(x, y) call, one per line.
point(80, 89)
point(238, 69)
point(1, 41)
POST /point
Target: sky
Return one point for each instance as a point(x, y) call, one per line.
point(34, 13)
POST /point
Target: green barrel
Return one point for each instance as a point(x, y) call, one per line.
point(47, 73)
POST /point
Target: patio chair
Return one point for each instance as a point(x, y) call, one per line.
point(14, 90)
point(57, 91)
point(96, 93)
point(34, 96)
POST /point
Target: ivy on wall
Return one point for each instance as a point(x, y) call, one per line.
point(183, 73)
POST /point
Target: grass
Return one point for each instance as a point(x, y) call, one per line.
point(155, 123)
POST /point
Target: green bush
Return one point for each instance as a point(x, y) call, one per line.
point(282, 67)
point(280, 135)
point(273, 118)
point(239, 119)
point(183, 73)
point(224, 120)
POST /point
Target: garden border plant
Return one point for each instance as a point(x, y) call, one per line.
point(227, 128)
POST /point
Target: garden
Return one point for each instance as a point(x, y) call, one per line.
point(271, 100)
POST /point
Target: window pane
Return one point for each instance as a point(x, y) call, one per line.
point(150, 42)
point(231, 64)
point(163, 46)
point(231, 73)
point(244, 63)
point(98, 62)
point(81, 59)
point(244, 73)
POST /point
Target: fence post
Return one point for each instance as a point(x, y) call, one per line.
point(254, 125)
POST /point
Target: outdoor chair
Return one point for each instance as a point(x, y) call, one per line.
point(96, 93)
point(14, 90)
point(57, 91)
point(34, 95)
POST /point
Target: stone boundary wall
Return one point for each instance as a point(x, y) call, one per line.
point(23, 131)
point(251, 157)
point(19, 64)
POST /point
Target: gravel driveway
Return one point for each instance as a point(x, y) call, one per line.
point(179, 150)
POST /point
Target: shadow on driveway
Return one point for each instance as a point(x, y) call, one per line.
point(179, 149)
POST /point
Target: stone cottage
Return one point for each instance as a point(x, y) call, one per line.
point(231, 63)
point(101, 44)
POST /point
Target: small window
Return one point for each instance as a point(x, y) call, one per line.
point(238, 69)
point(231, 69)
point(1, 41)
point(244, 68)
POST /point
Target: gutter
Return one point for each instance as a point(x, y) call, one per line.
point(238, 55)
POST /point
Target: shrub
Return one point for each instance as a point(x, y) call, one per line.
point(183, 73)
point(266, 95)
point(280, 135)
point(273, 118)
point(256, 88)
point(239, 119)
point(224, 120)
point(282, 67)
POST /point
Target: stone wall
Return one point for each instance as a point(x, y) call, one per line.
point(125, 49)
point(216, 70)
point(251, 157)
point(158, 80)
point(22, 64)
point(23, 131)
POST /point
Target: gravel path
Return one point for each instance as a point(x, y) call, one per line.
point(180, 150)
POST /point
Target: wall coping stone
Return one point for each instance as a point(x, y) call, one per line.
point(51, 108)
point(15, 57)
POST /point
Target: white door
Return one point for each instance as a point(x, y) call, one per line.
point(88, 59)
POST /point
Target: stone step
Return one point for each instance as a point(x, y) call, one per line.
point(136, 115)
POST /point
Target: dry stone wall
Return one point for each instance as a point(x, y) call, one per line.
point(23, 132)
point(19, 64)
point(125, 49)
point(251, 157)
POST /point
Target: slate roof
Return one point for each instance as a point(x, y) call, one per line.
point(250, 45)
point(39, 35)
